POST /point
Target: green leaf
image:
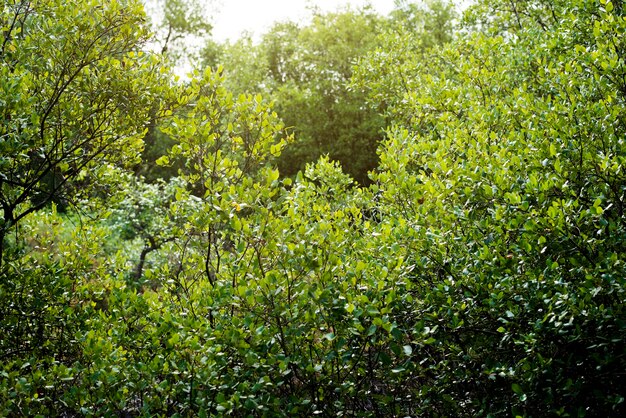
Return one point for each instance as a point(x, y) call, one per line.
point(235, 222)
point(174, 339)
point(408, 350)
point(163, 160)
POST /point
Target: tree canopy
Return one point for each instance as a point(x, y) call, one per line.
point(306, 71)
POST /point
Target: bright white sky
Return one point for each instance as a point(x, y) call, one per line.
point(233, 17)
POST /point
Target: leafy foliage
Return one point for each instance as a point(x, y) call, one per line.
point(305, 71)
point(505, 178)
point(177, 25)
point(481, 274)
point(76, 89)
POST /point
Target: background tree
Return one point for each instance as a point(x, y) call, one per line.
point(179, 27)
point(305, 71)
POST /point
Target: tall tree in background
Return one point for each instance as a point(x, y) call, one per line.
point(179, 27)
point(305, 71)
point(309, 71)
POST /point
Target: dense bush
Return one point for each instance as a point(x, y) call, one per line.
point(481, 274)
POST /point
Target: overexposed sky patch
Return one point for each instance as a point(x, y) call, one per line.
point(233, 17)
